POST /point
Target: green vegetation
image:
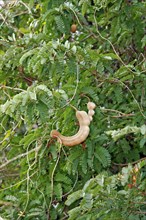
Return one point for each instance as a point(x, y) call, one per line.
point(46, 67)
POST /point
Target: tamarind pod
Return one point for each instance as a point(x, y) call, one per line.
point(83, 118)
point(91, 105)
point(91, 118)
point(81, 135)
point(83, 132)
point(73, 28)
point(91, 112)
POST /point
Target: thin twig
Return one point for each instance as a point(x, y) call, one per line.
point(9, 25)
point(72, 187)
point(73, 107)
point(138, 203)
point(122, 116)
point(83, 95)
point(106, 39)
point(22, 213)
point(10, 175)
point(52, 176)
point(76, 16)
point(19, 156)
point(25, 5)
point(4, 203)
point(126, 164)
point(140, 108)
point(77, 83)
point(138, 212)
point(18, 183)
point(112, 110)
point(8, 87)
point(69, 101)
point(85, 38)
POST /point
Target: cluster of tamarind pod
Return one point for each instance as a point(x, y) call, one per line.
point(84, 119)
point(91, 106)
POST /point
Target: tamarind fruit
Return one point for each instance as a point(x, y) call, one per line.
point(91, 112)
point(83, 132)
point(73, 28)
point(91, 105)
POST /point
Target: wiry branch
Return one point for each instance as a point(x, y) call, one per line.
point(126, 164)
point(19, 156)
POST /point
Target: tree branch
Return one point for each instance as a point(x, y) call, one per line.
point(126, 164)
point(19, 156)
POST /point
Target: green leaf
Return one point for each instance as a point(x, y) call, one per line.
point(110, 56)
point(58, 191)
point(27, 54)
point(60, 24)
point(63, 178)
point(84, 7)
point(143, 40)
point(30, 138)
point(83, 162)
point(143, 129)
point(103, 156)
point(43, 111)
point(87, 202)
point(74, 197)
point(74, 213)
point(11, 198)
point(142, 142)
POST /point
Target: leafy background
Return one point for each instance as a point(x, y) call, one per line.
point(45, 67)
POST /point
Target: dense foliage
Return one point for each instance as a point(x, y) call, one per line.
point(59, 54)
